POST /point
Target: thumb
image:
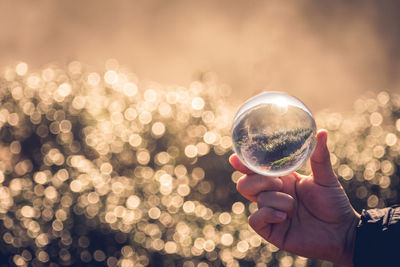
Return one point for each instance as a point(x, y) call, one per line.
point(321, 163)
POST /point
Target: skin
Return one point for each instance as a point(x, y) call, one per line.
point(310, 216)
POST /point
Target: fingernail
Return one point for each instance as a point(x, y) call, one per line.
point(280, 214)
point(324, 139)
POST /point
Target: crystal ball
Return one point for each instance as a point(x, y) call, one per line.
point(273, 133)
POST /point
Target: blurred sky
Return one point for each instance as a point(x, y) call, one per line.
point(327, 53)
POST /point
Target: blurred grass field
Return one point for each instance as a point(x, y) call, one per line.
point(101, 168)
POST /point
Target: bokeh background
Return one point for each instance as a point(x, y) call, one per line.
point(115, 122)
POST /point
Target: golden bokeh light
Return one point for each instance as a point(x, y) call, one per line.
point(21, 69)
point(99, 167)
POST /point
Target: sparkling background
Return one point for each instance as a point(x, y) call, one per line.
point(100, 168)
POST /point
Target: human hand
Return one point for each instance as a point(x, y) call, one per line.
point(310, 216)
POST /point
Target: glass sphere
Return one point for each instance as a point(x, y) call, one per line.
point(273, 133)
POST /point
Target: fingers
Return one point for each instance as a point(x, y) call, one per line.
point(261, 219)
point(238, 165)
point(250, 186)
point(277, 201)
point(274, 208)
point(321, 163)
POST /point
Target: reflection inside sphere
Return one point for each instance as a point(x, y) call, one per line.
point(273, 133)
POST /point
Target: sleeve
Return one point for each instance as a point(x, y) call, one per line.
point(377, 241)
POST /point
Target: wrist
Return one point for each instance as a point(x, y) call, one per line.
point(350, 237)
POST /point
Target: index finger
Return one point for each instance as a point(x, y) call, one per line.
point(251, 185)
point(238, 165)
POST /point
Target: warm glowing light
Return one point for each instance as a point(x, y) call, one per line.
point(391, 139)
point(158, 129)
point(345, 172)
point(13, 119)
point(65, 126)
point(154, 213)
point(64, 89)
point(225, 218)
point(150, 95)
point(398, 125)
point(76, 186)
point(143, 156)
point(130, 114)
point(164, 109)
point(27, 211)
point(135, 140)
point(91, 151)
point(111, 77)
point(133, 202)
point(188, 207)
point(243, 246)
point(210, 138)
point(198, 103)
point(21, 69)
point(226, 239)
point(191, 151)
point(145, 117)
point(162, 158)
point(130, 89)
point(15, 147)
point(238, 207)
point(93, 79)
point(170, 247)
point(376, 119)
point(280, 106)
point(198, 173)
